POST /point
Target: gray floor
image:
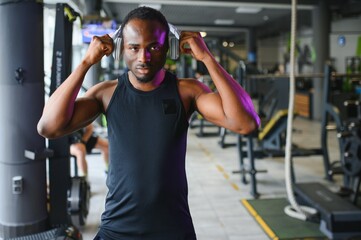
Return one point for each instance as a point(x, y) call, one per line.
point(215, 192)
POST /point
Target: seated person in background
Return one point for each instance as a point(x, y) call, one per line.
point(82, 142)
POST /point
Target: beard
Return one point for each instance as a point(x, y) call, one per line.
point(153, 70)
point(144, 79)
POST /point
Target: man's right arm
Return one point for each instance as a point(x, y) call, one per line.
point(63, 112)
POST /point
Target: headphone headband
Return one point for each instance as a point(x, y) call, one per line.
point(172, 29)
point(173, 42)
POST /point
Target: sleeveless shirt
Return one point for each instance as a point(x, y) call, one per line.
point(148, 192)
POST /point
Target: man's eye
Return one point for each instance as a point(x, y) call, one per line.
point(155, 48)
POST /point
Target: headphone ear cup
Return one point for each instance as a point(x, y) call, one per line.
point(117, 48)
point(173, 48)
point(174, 42)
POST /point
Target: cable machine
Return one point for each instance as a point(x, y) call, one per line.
point(69, 196)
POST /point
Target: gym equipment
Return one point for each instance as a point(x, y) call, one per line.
point(78, 200)
point(60, 182)
point(351, 158)
point(271, 142)
point(78, 197)
point(339, 219)
point(23, 153)
point(351, 149)
point(173, 42)
point(334, 114)
point(270, 139)
point(71, 199)
point(60, 233)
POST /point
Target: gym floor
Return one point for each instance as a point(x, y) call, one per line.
point(215, 193)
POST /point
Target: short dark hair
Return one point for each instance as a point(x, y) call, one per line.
point(146, 13)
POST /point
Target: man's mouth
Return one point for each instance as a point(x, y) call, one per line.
point(143, 69)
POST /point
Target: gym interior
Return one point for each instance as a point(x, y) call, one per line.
point(296, 177)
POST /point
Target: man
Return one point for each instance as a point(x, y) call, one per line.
point(147, 112)
point(82, 142)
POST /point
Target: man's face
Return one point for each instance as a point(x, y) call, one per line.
point(144, 48)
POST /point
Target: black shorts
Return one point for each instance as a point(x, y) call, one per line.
point(75, 137)
point(90, 144)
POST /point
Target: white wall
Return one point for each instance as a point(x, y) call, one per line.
point(272, 51)
point(351, 30)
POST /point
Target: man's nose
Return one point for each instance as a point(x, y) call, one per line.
point(143, 55)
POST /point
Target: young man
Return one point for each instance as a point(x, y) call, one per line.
point(147, 112)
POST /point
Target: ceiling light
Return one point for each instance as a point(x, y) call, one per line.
point(151, 5)
point(203, 34)
point(248, 9)
point(224, 22)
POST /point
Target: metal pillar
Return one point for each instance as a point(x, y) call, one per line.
point(321, 33)
point(251, 47)
point(22, 161)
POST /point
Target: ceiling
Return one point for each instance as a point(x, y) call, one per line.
point(271, 17)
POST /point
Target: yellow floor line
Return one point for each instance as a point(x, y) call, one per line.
point(235, 186)
point(220, 168)
point(260, 221)
point(226, 176)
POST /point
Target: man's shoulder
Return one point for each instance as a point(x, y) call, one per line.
point(105, 84)
point(191, 83)
point(103, 91)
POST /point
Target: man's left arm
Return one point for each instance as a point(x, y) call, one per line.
point(231, 106)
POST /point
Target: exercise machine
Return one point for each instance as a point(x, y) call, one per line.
point(338, 213)
point(68, 196)
point(269, 140)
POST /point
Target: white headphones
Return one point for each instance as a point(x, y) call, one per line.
point(173, 43)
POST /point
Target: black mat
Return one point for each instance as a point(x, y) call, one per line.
point(271, 217)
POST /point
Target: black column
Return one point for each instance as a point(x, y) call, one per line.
point(23, 208)
point(321, 35)
point(251, 47)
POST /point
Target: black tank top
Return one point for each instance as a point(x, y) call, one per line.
point(148, 193)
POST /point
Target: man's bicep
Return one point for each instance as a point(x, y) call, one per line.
point(209, 105)
point(86, 110)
